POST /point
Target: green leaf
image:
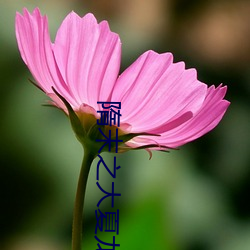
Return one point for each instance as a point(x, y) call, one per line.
point(74, 120)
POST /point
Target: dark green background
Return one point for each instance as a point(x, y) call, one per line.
point(196, 198)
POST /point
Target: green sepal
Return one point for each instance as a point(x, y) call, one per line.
point(49, 105)
point(128, 137)
point(36, 85)
point(125, 138)
point(74, 120)
point(147, 148)
point(94, 132)
point(126, 148)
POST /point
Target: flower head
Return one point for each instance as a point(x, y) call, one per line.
point(163, 104)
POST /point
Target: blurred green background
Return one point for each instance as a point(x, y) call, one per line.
point(196, 198)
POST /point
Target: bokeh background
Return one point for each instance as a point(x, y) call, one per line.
point(196, 198)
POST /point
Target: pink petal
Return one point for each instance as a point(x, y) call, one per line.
point(210, 114)
point(157, 95)
point(36, 51)
point(154, 91)
point(88, 56)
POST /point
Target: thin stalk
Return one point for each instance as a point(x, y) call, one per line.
point(79, 200)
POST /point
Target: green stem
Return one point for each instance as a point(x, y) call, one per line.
point(79, 200)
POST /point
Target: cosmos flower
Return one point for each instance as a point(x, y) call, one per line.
point(164, 105)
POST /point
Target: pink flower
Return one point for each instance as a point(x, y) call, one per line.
point(162, 102)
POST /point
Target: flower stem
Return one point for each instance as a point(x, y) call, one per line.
point(79, 200)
